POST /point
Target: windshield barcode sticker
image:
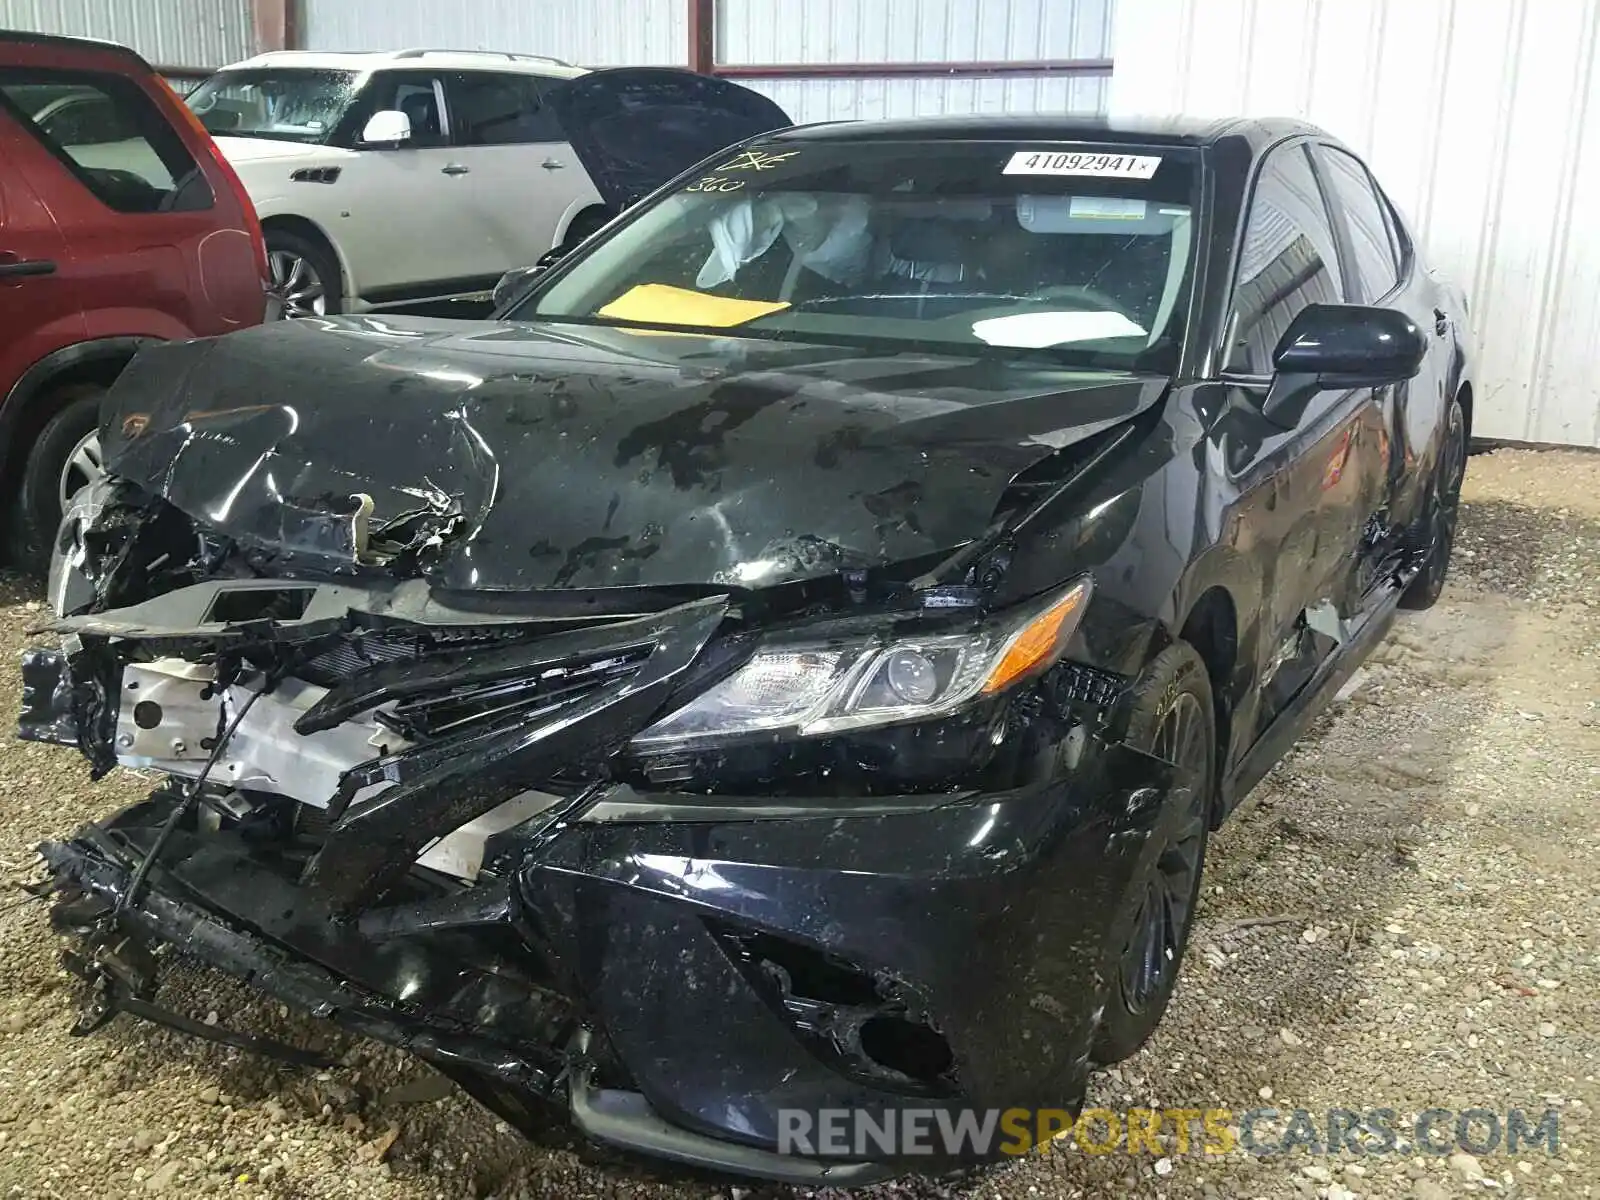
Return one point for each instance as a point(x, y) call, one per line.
point(1119, 166)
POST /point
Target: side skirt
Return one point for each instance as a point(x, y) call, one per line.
point(1286, 729)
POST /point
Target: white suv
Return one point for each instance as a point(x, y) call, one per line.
point(395, 177)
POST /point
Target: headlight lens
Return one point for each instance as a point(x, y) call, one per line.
point(826, 687)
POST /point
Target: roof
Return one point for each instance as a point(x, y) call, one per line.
point(62, 41)
point(373, 60)
point(1159, 131)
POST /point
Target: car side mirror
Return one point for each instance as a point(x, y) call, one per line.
point(517, 280)
point(1341, 346)
point(1351, 345)
point(390, 127)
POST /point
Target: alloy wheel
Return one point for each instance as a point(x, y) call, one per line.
point(83, 467)
point(1166, 901)
point(297, 285)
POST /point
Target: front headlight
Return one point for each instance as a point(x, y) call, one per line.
point(828, 686)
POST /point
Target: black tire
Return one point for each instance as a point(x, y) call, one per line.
point(36, 513)
point(316, 255)
point(1173, 718)
point(1436, 536)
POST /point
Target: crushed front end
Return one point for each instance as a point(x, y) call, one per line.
point(676, 859)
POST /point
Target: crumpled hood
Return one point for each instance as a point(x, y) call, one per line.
point(564, 456)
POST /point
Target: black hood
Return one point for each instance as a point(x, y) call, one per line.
point(634, 128)
point(575, 456)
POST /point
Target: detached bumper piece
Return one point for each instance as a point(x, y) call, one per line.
point(47, 714)
point(552, 1061)
point(92, 874)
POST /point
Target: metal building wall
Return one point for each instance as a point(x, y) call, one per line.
point(592, 33)
point(179, 33)
point(862, 31)
point(1482, 120)
point(621, 32)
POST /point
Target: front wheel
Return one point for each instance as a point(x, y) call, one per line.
point(1173, 719)
point(1438, 534)
point(63, 458)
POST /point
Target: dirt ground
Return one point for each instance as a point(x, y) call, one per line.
point(1404, 916)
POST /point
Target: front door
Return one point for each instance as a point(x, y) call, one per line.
point(412, 231)
point(1320, 466)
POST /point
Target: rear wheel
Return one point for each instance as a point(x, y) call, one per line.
point(1173, 719)
point(64, 457)
point(303, 275)
point(1444, 508)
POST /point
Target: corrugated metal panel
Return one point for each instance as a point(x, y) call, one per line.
point(1482, 120)
point(838, 31)
point(179, 33)
point(807, 100)
point(592, 33)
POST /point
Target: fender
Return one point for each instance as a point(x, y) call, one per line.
point(581, 205)
point(1222, 568)
point(269, 210)
point(41, 374)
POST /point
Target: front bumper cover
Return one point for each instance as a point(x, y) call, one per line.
point(678, 982)
point(677, 968)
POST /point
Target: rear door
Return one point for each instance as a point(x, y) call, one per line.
point(39, 307)
point(413, 230)
point(526, 180)
point(1381, 269)
point(635, 128)
point(133, 205)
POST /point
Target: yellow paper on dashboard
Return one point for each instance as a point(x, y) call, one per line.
point(663, 304)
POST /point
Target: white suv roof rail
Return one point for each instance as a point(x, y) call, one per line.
point(423, 52)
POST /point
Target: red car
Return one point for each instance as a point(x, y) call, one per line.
point(120, 223)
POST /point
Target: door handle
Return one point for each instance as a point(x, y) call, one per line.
point(553, 164)
point(26, 267)
point(1441, 322)
point(455, 169)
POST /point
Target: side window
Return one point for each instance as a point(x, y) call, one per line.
point(500, 110)
point(1399, 236)
point(418, 94)
point(1288, 261)
point(1377, 266)
point(109, 134)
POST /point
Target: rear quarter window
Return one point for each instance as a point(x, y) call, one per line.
point(110, 135)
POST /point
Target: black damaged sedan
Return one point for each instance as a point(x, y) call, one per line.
point(792, 658)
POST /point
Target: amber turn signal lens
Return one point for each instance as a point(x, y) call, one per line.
point(1037, 642)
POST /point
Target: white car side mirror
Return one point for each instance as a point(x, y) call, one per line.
point(389, 127)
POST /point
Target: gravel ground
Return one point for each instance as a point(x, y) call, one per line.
point(1402, 916)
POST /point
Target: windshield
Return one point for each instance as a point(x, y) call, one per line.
point(1079, 253)
point(296, 106)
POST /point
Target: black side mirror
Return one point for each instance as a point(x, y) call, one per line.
point(517, 280)
point(1351, 345)
point(1342, 346)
